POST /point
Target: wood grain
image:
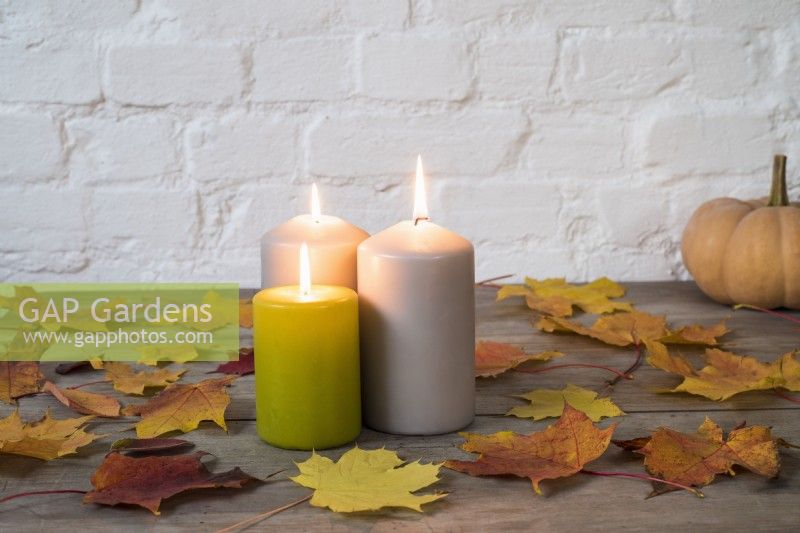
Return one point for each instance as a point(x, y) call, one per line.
point(580, 503)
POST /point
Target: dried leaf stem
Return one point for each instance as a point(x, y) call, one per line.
point(89, 383)
point(41, 493)
point(490, 282)
point(628, 371)
point(263, 516)
point(786, 396)
point(620, 375)
point(646, 478)
point(784, 316)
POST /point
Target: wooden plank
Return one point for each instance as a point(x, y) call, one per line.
point(752, 333)
point(577, 503)
point(581, 502)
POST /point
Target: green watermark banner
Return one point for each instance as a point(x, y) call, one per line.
point(136, 322)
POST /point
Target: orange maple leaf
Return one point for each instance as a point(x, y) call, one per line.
point(561, 450)
point(624, 329)
point(87, 403)
point(245, 313)
point(19, 379)
point(494, 358)
point(182, 407)
point(696, 458)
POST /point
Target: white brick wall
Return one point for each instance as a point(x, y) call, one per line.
point(157, 139)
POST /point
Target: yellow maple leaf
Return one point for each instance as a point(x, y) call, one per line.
point(47, 439)
point(556, 297)
point(182, 407)
point(727, 374)
point(367, 480)
point(660, 357)
point(129, 381)
point(151, 355)
point(549, 403)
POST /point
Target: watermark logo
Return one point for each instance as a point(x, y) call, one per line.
point(147, 322)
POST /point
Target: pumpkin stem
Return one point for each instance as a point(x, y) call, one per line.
point(778, 196)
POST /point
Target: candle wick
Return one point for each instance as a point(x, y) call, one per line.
point(416, 220)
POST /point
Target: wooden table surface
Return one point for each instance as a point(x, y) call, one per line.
point(579, 503)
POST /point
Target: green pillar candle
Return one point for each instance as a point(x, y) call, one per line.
point(307, 366)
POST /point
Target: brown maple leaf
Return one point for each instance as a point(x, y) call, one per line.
point(494, 358)
point(243, 366)
point(18, 379)
point(556, 297)
point(696, 458)
point(146, 481)
point(47, 439)
point(182, 407)
point(561, 450)
point(87, 403)
point(625, 329)
point(127, 380)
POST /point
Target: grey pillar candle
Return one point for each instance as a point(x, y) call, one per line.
point(417, 323)
point(332, 244)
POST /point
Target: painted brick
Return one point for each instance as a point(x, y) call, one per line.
point(723, 66)
point(151, 74)
point(47, 17)
point(577, 146)
point(607, 13)
point(238, 217)
point(739, 13)
point(607, 66)
point(458, 12)
point(506, 212)
point(380, 14)
point(150, 219)
point(240, 147)
point(211, 18)
point(137, 147)
point(632, 214)
point(368, 146)
point(55, 219)
point(516, 67)
point(30, 146)
point(162, 137)
point(69, 74)
point(303, 69)
point(401, 67)
point(686, 144)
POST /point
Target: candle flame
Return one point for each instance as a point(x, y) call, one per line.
point(420, 200)
point(316, 212)
point(305, 270)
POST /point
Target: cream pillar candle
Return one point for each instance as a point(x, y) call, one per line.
point(332, 244)
point(417, 322)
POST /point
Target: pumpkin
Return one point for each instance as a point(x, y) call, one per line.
point(747, 252)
